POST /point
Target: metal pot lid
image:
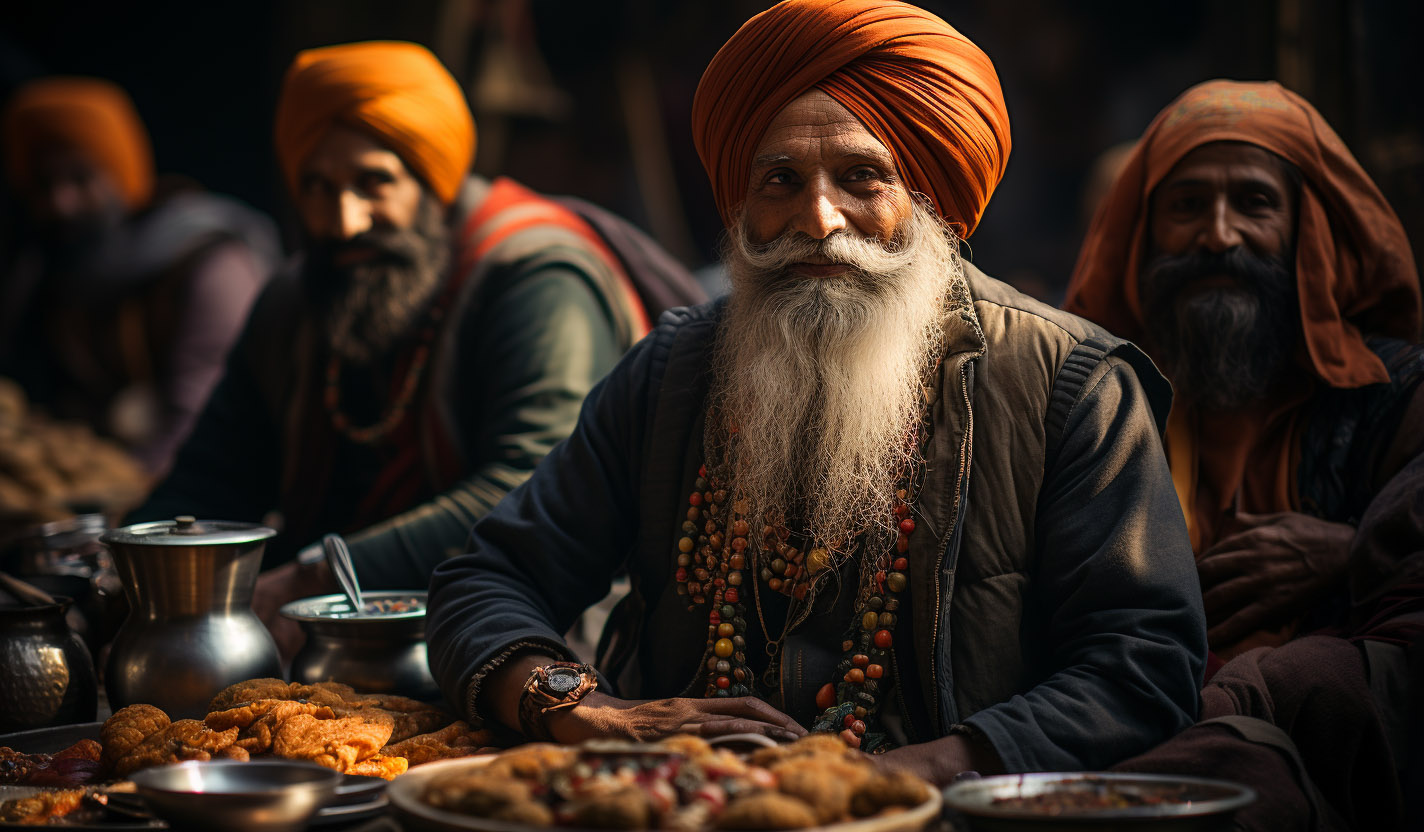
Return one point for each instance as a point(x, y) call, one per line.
point(386, 605)
point(188, 531)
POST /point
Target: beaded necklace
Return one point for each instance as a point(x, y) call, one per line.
point(712, 564)
point(395, 412)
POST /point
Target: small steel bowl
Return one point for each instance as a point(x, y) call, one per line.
point(372, 652)
point(231, 796)
point(1189, 804)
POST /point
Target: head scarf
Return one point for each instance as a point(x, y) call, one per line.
point(397, 93)
point(920, 87)
point(90, 115)
point(1355, 275)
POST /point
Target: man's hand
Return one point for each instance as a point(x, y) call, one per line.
point(600, 716)
point(289, 582)
point(941, 760)
point(1269, 573)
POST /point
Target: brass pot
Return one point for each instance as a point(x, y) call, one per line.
point(48, 675)
point(190, 631)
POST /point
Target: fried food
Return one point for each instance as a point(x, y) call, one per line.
point(767, 810)
point(252, 690)
point(382, 766)
point(258, 721)
point(40, 808)
point(885, 790)
point(186, 739)
point(76, 765)
point(533, 761)
point(480, 792)
point(335, 743)
point(127, 729)
point(454, 740)
point(828, 798)
point(808, 746)
point(628, 807)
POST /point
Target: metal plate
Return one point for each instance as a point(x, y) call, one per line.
point(357, 798)
point(51, 740)
point(1185, 799)
point(415, 814)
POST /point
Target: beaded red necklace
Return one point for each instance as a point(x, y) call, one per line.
point(712, 559)
point(395, 412)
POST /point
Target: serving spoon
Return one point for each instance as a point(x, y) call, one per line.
point(338, 557)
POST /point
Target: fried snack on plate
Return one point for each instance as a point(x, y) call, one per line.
point(127, 729)
point(40, 808)
point(257, 722)
point(626, 807)
point(335, 743)
point(252, 690)
point(382, 766)
point(886, 790)
point(186, 739)
point(808, 746)
point(532, 761)
point(766, 810)
point(454, 740)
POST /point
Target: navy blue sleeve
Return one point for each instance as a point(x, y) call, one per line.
point(549, 550)
point(1116, 593)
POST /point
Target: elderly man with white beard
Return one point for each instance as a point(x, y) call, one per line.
point(874, 492)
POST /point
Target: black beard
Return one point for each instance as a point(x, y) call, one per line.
point(1223, 347)
point(362, 310)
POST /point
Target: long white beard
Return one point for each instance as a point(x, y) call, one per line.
point(823, 378)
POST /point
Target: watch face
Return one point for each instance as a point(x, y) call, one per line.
point(563, 679)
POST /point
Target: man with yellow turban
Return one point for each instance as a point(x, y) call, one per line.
point(438, 339)
point(875, 492)
point(1260, 265)
point(125, 294)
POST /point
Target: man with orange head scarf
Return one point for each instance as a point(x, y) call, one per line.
point(126, 292)
point(874, 492)
point(437, 341)
point(1256, 261)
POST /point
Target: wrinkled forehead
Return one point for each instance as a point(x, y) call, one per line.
point(1224, 163)
point(816, 125)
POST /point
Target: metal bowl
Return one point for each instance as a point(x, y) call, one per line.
point(231, 796)
point(1188, 803)
point(374, 653)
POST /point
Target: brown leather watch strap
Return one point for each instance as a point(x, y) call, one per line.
point(552, 687)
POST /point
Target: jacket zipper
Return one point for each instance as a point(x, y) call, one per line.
point(964, 451)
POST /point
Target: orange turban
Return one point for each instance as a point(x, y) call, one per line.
point(90, 115)
point(1354, 270)
point(921, 88)
point(397, 93)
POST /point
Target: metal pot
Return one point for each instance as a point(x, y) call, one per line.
point(48, 677)
point(373, 653)
point(191, 631)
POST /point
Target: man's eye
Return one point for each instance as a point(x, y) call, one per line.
point(1185, 205)
point(862, 175)
point(373, 182)
point(779, 177)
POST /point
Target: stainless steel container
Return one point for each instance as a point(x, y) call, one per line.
point(46, 673)
point(372, 652)
point(191, 631)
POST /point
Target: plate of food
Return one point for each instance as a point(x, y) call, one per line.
point(680, 783)
point(368, 738)
point(1079, 800)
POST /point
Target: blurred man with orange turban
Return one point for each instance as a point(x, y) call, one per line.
point(126, 294)
point(874, 492)
point(437, 342)
point(1257, 263)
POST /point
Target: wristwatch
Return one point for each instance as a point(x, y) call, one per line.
point(550, 688)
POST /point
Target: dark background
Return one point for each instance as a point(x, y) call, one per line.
point(593, 98)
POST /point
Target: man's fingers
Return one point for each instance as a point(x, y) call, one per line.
point(723, 727)
point(750, 707)
point(1226, 599)
point(1219, 568)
